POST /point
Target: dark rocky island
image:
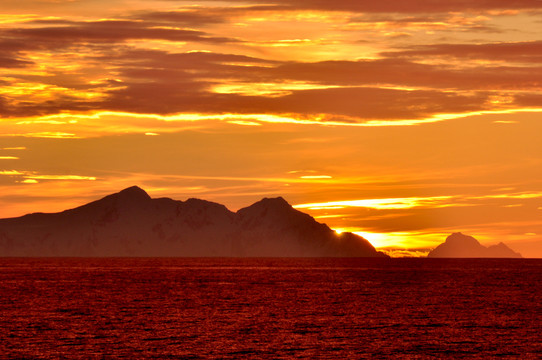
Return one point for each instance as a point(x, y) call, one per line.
point(458, 245)
point(130, 223)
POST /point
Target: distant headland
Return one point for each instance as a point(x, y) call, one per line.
point(458, 245)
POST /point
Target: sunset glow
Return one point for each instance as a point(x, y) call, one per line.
point(399, 121)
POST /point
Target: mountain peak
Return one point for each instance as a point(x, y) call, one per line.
point(461, 239)
point(127, 197)
point(133, 192)
point(277, 206)
point(276, 202)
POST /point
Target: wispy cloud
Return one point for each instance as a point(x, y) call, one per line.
point(514, 52)
point(399, 6)
point(31, 177)
point(392, 203)
point(416, 202)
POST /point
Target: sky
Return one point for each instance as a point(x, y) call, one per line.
point(401, 121)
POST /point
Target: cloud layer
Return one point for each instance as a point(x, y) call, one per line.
point(141, 63)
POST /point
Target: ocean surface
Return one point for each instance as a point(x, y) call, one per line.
point(270, 308)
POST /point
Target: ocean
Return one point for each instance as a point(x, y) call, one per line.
point(324, 308)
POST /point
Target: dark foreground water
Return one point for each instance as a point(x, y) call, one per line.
point(270, 308)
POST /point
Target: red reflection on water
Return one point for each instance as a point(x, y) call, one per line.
point(269, 308)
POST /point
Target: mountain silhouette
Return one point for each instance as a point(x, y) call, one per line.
point(458, 245)
point(131, 223)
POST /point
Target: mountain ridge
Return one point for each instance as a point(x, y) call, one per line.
point(131, 223)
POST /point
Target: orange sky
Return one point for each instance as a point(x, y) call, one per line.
point(402, 121)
